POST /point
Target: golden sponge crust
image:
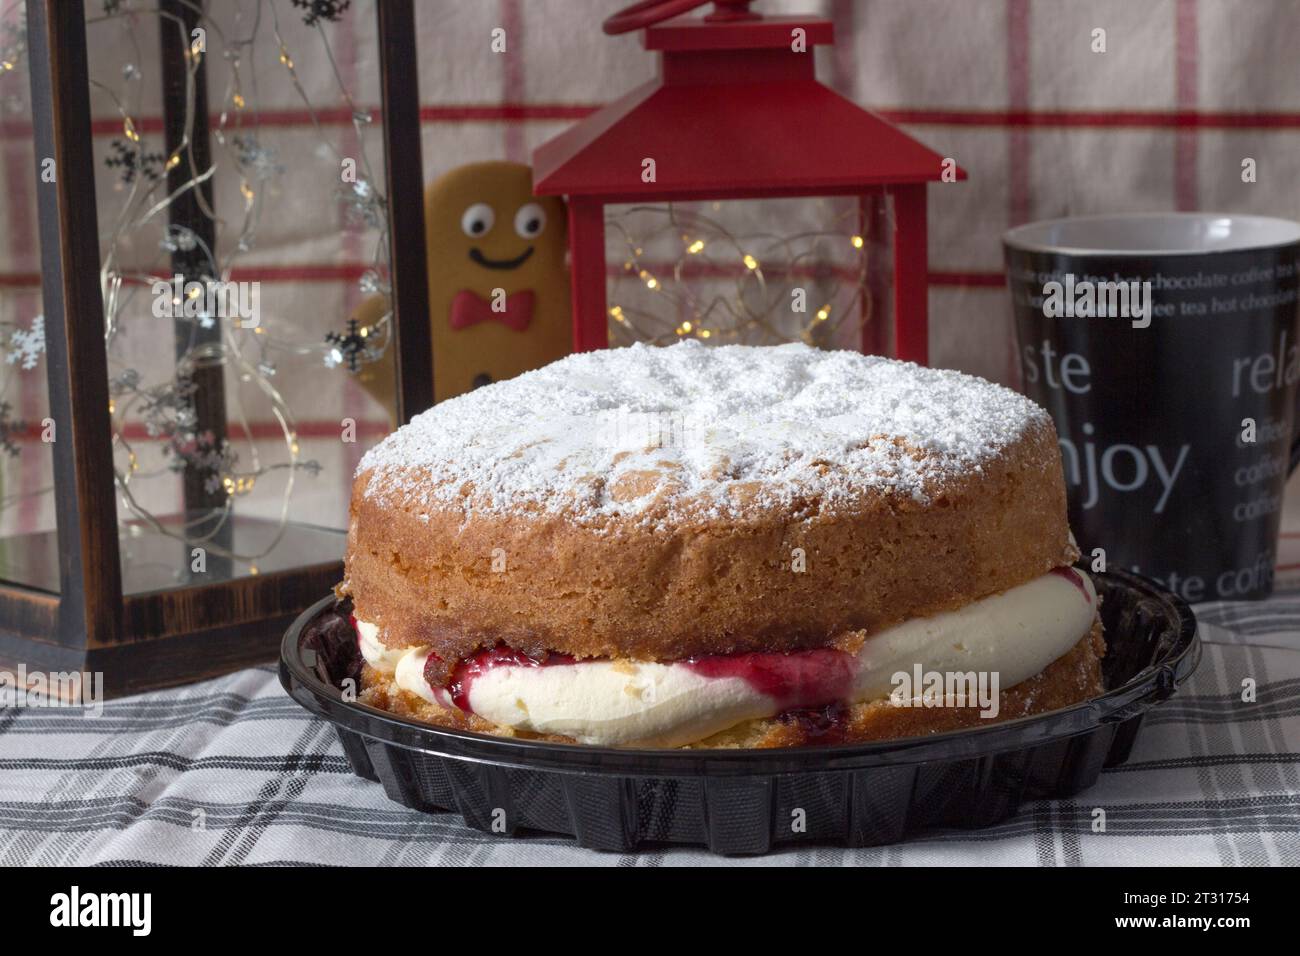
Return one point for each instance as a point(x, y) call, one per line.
point(677, 586)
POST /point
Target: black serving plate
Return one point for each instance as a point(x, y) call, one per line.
point(750, 801)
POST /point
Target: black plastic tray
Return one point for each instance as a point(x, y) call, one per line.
point(749, 801)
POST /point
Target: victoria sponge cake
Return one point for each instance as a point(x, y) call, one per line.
point(720, 547)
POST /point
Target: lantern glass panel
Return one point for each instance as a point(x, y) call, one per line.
point(236, 241)
point(754, 271)
point(26, 467)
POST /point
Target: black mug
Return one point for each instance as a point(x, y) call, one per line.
point(1167, 349)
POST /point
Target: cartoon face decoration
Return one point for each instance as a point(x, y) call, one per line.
point(498, 281)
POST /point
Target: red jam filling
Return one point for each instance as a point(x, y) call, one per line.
point(468, 670)
point(822, 725)
point(797, 679)
point(800, 681)
point(1075, 578)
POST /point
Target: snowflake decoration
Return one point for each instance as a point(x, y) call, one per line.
point(371, 282)
point(168, 412)
point(362, 204)
point(256, 158)
point(132, 162)
point(127, 381)
point(349, 348)
point(178, 239)
point(26, 345)
point(216, 458)
point(8, 428)
point(317, 10)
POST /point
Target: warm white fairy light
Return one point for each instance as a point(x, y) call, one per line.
point(164, 403)
point(757, 275)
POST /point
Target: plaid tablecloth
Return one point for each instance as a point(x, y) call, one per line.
point(232, 771)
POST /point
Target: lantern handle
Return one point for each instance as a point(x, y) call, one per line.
point(647, 13)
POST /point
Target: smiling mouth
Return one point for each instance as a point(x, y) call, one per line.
point(487, 263)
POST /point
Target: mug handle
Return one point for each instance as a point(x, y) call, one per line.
point(1295, 438)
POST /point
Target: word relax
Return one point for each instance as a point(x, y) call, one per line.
point(1085, 299)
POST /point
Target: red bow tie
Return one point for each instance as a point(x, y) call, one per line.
point(468, 309)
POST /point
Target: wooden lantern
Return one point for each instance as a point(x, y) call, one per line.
point(736, 113)
point(67, 603)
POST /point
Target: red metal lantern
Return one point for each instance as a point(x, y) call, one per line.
point(736, 113)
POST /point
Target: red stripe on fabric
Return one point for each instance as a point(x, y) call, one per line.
point(512, 79)
point(848, 19)
point(979, 280)
point(1186, 41)
point(844, 59)
point(342, 116)
point(18, 280)
point(1018, 157)
point(349, 272)
point(261, 431)
point(506, 112)
point(1091, 119)
point(354, 401)
point(308, 272)
point(32, 470)
point(555, 112)
point(704, 269)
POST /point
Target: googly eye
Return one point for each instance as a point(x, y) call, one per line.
point(530, 220)
point(477, 220)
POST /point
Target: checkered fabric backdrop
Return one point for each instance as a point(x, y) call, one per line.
point(232, 771)
point(1011, 88)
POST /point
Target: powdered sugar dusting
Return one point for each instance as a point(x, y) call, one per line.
point(657, 432)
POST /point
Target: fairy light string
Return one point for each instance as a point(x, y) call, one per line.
point(134, 217)
point(688, 274)
point(716, 282)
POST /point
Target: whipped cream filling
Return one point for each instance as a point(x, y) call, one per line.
point(620, 703)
